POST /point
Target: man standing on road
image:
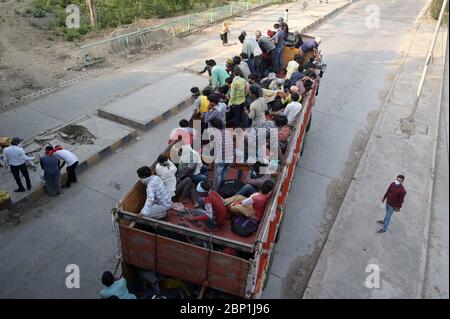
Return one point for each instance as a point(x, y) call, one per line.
point(394, 198)
point(52, 175)
point(16, 158)
point(71, 160)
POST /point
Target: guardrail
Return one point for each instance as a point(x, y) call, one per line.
point(144, 38)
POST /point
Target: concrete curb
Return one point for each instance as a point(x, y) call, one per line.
point(83, 166)
point(146, 126)
point(427, 228)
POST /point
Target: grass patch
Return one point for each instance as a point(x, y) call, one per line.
point(435, 9)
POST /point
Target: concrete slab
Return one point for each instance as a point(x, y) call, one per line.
point(108, 137)
point(142, 108)
point(24, 123)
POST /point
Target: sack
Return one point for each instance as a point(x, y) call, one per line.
point(244, 226)
point(230, 187)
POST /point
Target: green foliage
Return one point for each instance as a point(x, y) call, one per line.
point(75, 33)
point(435, 9)
point(116, 13)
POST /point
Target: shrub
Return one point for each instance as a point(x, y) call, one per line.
point(435, 9)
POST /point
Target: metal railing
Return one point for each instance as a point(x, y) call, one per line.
point(145, 37)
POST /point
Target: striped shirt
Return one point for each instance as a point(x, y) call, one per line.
point(156, 194)
point(223, 145)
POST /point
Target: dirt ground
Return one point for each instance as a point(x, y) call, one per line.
point(35, 61)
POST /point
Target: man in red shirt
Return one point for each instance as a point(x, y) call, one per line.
point(253, 206)
point(394, 197)
point(214, 212)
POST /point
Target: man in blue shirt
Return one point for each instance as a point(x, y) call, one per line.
point(114, 287)
point(310, 45)
point(278, 40)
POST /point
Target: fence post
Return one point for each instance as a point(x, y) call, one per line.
point(248, 3)
point(189, 23)
point(211, 16)
point(231, 9)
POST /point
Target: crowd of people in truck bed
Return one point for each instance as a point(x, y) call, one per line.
point(253, 91)
point(250, 91)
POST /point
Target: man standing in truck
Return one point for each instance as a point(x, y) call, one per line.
point(394, 197)
point(158, 200)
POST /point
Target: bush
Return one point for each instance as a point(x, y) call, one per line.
point(38, 12)
point(435, 9)
point(115, 13)
point(75, 33)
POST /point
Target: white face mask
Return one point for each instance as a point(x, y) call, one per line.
point(397, 182)
point(144, 180)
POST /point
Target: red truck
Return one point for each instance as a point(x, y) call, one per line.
point(174, 248)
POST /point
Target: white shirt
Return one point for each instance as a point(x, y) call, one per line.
point(291, 111)
point(15, 155)
point(167, 174)
point(68, 157)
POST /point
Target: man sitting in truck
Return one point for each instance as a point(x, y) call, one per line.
point(253, 206)
point(213, 212)
point(158, 200)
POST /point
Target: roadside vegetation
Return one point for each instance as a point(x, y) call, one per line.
point(112, 13)
point(435, 9)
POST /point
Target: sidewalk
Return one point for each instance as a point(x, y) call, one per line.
point(353, 242)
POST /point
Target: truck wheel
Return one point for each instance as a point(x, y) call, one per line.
point(309, 124)
point(303, 147)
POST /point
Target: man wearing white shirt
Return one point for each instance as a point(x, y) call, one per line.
point(72, 162)
point(293, 109)
point(16, 158)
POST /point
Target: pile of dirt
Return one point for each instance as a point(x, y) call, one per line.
point(77, 134)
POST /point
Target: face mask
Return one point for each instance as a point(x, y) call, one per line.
point(397, 182)
point(144, 180)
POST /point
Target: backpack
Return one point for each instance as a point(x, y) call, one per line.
point(244, 226)
point(230, 187)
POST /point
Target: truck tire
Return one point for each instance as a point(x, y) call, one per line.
point(303, 147)
point(309, 124)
